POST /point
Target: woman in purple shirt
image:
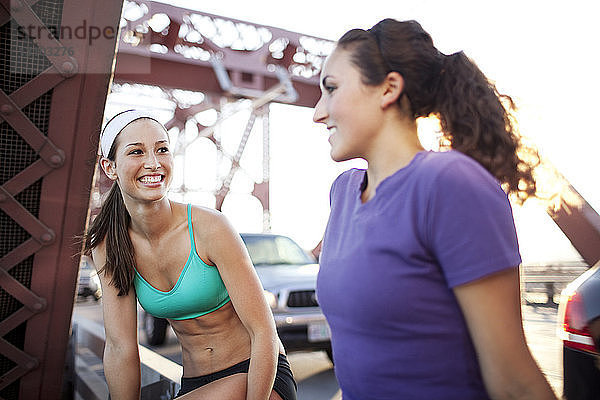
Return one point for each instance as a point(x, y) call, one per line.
point(419, 277)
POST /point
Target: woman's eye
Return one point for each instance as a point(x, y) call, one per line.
point(136, 151)
point(329, 89)
point(163, 150)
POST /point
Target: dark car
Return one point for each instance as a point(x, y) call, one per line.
point(579, 329)
point(288, 275)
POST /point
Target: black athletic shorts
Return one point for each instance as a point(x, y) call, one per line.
point(284, 384)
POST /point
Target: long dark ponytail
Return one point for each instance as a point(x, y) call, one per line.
point(472, 115)
point(112, 225)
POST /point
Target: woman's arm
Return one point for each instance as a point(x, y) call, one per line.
point(121, 356)
point(492, 310)
point(227, 251)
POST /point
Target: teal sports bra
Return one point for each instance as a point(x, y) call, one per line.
point(198, 291)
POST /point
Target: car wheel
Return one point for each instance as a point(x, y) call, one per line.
point(155, 329)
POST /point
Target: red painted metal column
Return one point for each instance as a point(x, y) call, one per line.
point(76, 115)
point(56, 70)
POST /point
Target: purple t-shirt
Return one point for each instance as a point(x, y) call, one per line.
point(388, 267)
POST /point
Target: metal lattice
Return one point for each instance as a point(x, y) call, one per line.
point(27, 156)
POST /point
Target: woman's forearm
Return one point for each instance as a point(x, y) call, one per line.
point(492, 310)
point(533, 389)
point(263, 366)
point(122, 372)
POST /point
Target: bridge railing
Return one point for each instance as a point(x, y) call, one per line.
point(549, 279)
point(160, 376)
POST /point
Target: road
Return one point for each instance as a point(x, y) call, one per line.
point(539, 323)
point(315, 375)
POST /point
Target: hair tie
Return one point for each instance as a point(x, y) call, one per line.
point(116, 124)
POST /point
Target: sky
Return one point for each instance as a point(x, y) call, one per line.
point(542, 53)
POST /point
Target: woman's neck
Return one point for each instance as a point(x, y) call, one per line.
point(394, 149)
point(152, 219)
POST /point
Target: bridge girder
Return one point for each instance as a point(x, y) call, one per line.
point(172, 47)
point(183, 54)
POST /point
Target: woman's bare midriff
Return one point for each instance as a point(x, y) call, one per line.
point(212, 342)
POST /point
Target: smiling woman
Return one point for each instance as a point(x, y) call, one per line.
point(424, 241)
point(185, 264)
point(112, 222)
point(146, 159)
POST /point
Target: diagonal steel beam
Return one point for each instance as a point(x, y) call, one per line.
point(5, 10)
point(580, 223)
point(16, 118)
point(33, 89)
point(24, 15)
point(23, 217)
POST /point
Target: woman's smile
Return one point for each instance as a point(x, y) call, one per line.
point(155, 180)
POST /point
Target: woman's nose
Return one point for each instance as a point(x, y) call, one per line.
point(320, 114)
point(152, 161)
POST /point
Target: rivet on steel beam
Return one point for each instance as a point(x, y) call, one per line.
point(47, 237)
point(57, 160)
point(6, 109)
point(38, 306)
point(68, 68)
point(32, 364)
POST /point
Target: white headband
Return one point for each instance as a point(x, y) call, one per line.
point(115, 125)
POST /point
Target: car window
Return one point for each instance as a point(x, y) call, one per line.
point(272, 250)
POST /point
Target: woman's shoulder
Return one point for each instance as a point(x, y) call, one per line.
point(212, 231)
point(437, 161)
point(206, 220)
point(346, 181)
point(349, 177)
point(453, 166)
point(201, 213)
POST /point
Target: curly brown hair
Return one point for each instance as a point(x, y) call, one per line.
point(472, 115)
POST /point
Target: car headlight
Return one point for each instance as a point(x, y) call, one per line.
point(271, 299)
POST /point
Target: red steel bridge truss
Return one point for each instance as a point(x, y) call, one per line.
point(235, 65)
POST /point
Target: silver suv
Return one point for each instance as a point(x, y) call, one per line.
point(289, 276)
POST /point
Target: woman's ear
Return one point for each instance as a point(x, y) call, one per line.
point(109, 168)
point(393, 86)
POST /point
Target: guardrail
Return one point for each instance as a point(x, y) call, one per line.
point(549, 279)
point(160, 376)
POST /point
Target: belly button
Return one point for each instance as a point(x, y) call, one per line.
point(210, 349)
